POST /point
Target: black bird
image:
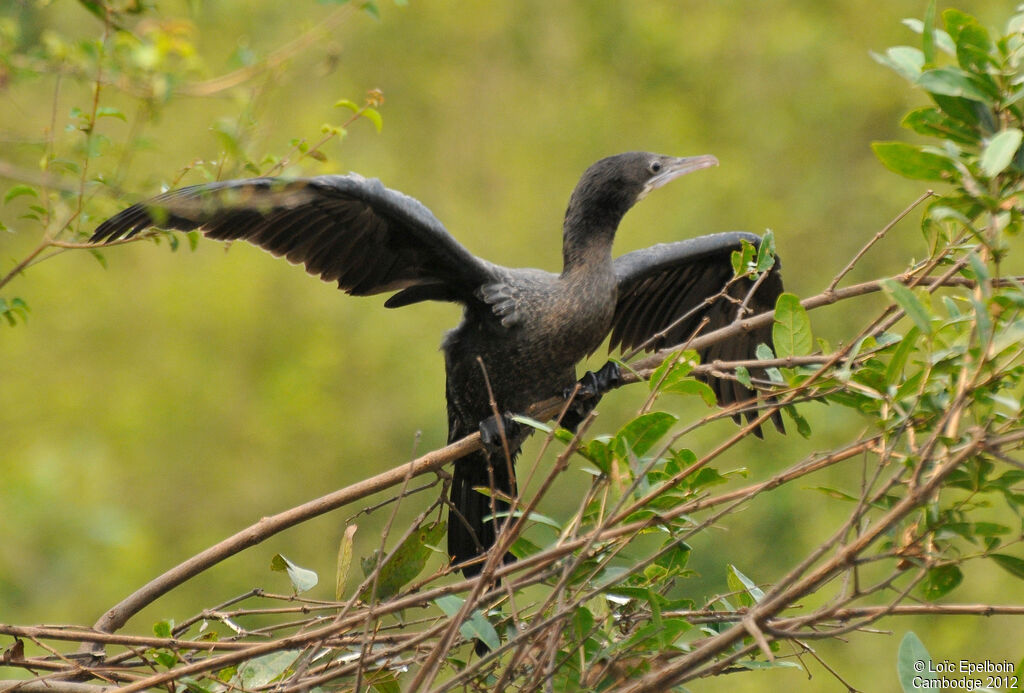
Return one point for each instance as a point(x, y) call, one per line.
point(525, 328)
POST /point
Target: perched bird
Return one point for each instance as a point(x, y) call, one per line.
point(524, 329)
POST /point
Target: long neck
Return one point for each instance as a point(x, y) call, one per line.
point(588, 233)
point(586, 249)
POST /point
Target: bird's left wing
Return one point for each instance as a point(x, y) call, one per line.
point(349, 229)
point(666, 291)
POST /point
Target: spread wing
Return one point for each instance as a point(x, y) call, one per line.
point(348, 229)
point(667, 290)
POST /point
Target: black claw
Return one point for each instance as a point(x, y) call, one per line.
point(588, 393)
point(584, 389)
point(609, 377)
point(490, 432)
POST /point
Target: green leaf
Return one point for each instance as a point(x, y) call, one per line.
point(533, 517)
point(943, 41)
point(677, 365)
point(984, 320)
point(165, 659)
point(743, 376)
point(640, 434)
point(658, 636)
point(894, 371)
point(1011, 564)
point(955, 20)
point(110, 112)
point(940, 581)
point(406, 563)
point(370, 8)
point(990, 529)
point(476, 626)
point(194, 686)
point(910, 161)
point(19, 190)
point(743, 259)
point(747, 589)
point(533, 423)
point(599, 452)
point(1009, 479)
point(373, 116)
point(523, 548)
point(345, 103)
point(766, 252)
point(999, 151)
point(684, 385)
point(582, 623)
point(904, 60)
point(802, 426)
point(763, 352)
point(911, 663)
point(163, 629)
point(791, 331)
point(344, 561)
point(674, 557)
point(974, 49)
point(951, 81)
point(833, 493)
point(928, 33)
point(259, 671)
point(910, 304)
point(383, 681)
point(760, 665)
point(10, 312)
point(932, 122)
point(302, 579)
point(973, 45)
point(705, 476)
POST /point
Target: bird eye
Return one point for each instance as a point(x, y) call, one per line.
point(655, 166)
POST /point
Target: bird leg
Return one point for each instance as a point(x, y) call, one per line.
point(586, 394)
point(492, 431)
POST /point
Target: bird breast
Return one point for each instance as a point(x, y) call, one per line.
point(564, 318)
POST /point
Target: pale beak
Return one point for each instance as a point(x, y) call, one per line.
point(680, 167)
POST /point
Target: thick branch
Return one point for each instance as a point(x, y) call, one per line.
point(83, 635)
point(269, 526)
point(53, 687)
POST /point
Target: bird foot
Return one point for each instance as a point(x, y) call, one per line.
point(491, 431)
point(588, 392)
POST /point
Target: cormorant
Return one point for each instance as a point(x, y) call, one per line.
point(525, 328)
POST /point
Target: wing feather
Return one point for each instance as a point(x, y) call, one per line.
point(668, 288)
point(348, 229)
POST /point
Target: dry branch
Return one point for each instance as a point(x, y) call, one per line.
point(119, 614)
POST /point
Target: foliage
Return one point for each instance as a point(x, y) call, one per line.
point(154, 62)
point(603, 600)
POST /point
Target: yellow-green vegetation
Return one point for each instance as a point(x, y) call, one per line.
point(154, 402)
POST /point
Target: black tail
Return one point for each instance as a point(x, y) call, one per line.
point(469, 536)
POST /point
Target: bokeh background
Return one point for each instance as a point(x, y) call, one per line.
point(150, 408)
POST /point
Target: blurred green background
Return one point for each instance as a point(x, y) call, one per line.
point(149, 409)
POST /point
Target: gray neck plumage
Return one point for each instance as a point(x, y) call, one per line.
point(588, 233)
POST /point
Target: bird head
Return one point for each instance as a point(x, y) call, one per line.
point(611, 186)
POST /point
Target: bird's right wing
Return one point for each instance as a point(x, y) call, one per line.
point(667, 291)
point(349, 229)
